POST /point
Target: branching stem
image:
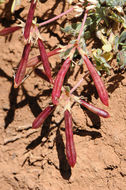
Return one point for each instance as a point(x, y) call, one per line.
point(82, 26)
point(78, 83)
point(57, 17)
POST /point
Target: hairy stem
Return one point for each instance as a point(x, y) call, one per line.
point(78, 83)
point(57, 17)
point(82, 26)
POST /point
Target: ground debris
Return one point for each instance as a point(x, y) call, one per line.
point(19, 136)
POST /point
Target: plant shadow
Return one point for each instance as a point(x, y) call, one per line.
point(114, 82)
point(44, 133)
point(92, 134)
point(64, 167)
point(95, 119)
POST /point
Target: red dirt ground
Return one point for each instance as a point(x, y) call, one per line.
point(35, 159)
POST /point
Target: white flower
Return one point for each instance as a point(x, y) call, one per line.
point(94, 2)
point(70, 1)
point(82, 1)
point(79, 10)
point(90, 7)
point(119, 9)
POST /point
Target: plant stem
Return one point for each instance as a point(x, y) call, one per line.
point(78, 83)
point(82, 26)
point(76, 86)
point(57, 17)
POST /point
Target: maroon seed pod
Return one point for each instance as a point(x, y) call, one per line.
point(9, 30)
point(98, 111)
point(59, 81)
point(42, 117)
point(41, 74)
point(29, 19)
point(22, 66)
point(44, 59)
point(35, 60)
point(70, 147)
point(97, 81)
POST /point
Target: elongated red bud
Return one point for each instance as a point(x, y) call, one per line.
point(35, 60)
point(41, 74)
point(97, 81)
point(70, 147)
point(29, 19)
point(32, 62)
point(44, 59)
point(22, 66)
point(9, 30)
point(59, 81)
point(98, 111)
point(42, 117)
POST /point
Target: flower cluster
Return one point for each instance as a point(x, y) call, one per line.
point(79, 8)
point(58, 92)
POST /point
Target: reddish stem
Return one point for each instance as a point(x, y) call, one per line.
point(57, 17)
point(35, 60)
point(82, 26)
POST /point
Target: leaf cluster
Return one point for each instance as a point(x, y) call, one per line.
point(100, 25)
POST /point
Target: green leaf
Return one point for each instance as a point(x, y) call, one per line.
point(116, 44)
point(121, 58)
point(122, 37)
point(101, 62)
point(66, 29)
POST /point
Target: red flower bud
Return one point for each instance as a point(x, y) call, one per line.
point(59, 81)
point(97, 81)
point(9, 30)
point(29, 19)
point(22, 66)
point(70, 148)
point(42, 117)
point(94, 109)
point(44, 59)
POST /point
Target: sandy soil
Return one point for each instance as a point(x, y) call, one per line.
point(35, 159)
